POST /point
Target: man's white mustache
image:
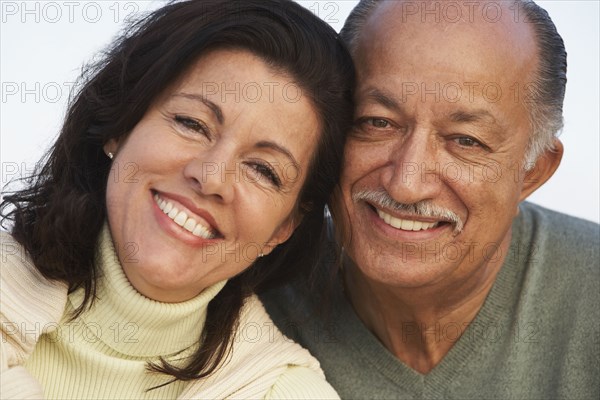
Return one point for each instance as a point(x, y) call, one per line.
point(425, 208)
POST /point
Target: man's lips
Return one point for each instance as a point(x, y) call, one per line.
point(409, 223)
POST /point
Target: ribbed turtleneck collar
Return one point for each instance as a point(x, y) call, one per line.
point(133, 324)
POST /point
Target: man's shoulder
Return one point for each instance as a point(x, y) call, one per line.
point(558, 231)
point(558, 254)
point(289, 305)
point(538, 212)
point(354, 361)
point(307, 300)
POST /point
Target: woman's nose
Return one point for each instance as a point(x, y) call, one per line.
point(213, 173)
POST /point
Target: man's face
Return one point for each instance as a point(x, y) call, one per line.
point(434, 166)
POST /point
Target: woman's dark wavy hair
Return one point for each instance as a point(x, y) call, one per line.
point(59, 215)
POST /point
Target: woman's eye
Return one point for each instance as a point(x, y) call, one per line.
point(192, 124)
point(266, 171)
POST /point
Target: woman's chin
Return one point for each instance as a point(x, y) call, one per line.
point(167, 287)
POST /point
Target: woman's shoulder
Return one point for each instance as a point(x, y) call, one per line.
point(301, 383)
point(23, 288)
point(12, 252)
point(302, 377)
point(16, 263)
point(30, 305)
point(15, 260)
point(263, 363)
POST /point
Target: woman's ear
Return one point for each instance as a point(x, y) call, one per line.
point(110, 147)
point(544, 168)
point(283, 232)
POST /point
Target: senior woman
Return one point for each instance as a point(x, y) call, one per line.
point(193, 167)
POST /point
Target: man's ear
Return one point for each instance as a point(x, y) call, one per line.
point(283, 232)
point(544, 168)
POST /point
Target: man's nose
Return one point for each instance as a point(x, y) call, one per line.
point(413, 173)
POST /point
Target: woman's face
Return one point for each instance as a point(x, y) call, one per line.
point(210, 176)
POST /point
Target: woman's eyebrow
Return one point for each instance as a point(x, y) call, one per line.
point(198, 97)
point(279, 148)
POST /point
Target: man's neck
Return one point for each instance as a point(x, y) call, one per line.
point(420, 325)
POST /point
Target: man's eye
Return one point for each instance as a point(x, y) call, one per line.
point(378, 122)
point(467, 141)
point(266, 171)
point(192, 124)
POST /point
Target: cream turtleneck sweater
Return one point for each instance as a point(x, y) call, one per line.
point(104, 352)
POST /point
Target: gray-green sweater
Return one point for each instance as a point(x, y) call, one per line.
point(537, 335)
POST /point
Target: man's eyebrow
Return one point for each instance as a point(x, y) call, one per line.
point(274, 146)
point(388, 101)
point(384, 99)
point(478, 116)
point(198, 97)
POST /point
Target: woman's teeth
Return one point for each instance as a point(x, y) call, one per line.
point(182, 219)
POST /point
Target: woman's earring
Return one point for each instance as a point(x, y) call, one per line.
point(260, 255)
point(110, 155)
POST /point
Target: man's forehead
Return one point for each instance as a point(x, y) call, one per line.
point(393, 44)
point(438, 11)
point(493, 22)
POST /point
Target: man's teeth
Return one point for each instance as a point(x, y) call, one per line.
point(405, 224)
point(182, 219)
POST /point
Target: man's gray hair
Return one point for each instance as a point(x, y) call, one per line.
point(544, 96)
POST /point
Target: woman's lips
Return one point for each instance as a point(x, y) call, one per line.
point(196, 223)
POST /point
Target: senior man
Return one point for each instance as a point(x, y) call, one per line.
point(449, 285)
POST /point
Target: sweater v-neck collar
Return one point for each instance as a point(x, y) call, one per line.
point(484, 329)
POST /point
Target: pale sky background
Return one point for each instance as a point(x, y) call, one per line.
point(43, 45)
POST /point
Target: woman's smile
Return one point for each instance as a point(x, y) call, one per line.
point(186, 219)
